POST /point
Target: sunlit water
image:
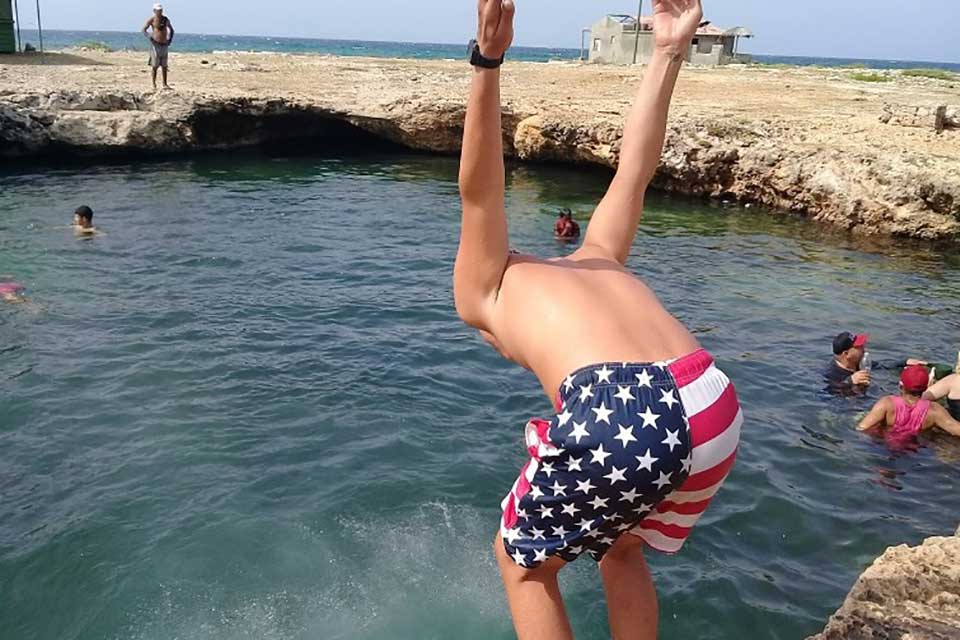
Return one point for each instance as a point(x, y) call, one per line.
point(249, 411)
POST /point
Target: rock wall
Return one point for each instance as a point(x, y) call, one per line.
point(860, 191)
point(909, 593)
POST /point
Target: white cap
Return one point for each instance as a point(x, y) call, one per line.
point(158, 7)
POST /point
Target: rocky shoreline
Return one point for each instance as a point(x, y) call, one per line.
point(864, 157)
point(909, 592)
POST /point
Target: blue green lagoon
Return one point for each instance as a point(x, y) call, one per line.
point(247, 409)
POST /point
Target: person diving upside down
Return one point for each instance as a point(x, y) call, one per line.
point(647, 426)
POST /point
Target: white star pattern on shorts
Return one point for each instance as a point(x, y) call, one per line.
point(624, 394)
point(573, 464)
point(540, 555)
point(537, 533)
point(603, 414)
point(519, 558)
point(629, 496)
point(599, 503)
point(586, 392)
point(617, 475)
point(585, 525)
point(579, 431)
point(584, 487)
point(626, 435)
point(545, 512)
point(559, 531)
point(603, 375)
point(599, 455)
point(672, 439)
point(646, 461)
point(570, 509)
point(649, 418)
point(668, 398)
point(559, 489)
point(644, 379)
point(547, 468)
point(564, 418)
point(568, 383)
point(663, 480)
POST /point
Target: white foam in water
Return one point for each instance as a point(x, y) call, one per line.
point(428, 574)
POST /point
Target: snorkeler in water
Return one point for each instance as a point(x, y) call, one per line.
point(83, 221)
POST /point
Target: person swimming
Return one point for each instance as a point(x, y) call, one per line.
point(11, 292)
point(566, 228)
point(902, 418)
point(83, 220)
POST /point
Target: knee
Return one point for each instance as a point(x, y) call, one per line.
point(627, 549)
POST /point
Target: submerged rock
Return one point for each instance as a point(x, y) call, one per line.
point(909, 593)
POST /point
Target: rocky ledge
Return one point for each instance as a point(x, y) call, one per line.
point(881, 159)
point(909, 593)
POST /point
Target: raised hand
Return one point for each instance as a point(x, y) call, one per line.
point(675, 23)
point(495, 27)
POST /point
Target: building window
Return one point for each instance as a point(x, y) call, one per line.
point(596, 44)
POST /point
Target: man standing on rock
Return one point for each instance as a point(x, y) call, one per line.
point(647, 425)
point(161, 37)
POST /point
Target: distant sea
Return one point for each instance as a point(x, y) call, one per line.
point(199, 43)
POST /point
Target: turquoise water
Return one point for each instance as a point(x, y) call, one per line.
point(201, 43)
point(248, 409)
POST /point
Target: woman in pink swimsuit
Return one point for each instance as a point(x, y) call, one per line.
point(11, 292)
point(903, 417)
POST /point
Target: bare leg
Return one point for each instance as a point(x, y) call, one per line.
point(153, 75)
point(165, 85)
point(534, 595)
point(631, 596)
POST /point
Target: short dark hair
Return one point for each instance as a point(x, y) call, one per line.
point(84, 212)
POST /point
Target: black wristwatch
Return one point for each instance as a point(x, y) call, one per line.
point(477, 59)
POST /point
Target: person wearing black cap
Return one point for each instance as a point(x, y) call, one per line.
point(844, 375)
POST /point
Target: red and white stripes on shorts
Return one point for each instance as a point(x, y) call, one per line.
point(713, 411)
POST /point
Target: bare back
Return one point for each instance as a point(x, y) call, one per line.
point(557, 316)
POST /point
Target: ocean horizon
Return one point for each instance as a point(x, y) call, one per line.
point(54, 39)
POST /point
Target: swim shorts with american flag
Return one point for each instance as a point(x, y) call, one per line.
point(636, 448)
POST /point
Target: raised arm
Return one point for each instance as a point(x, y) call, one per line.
point(614, 223)
point(484, 244)
point(146, 27)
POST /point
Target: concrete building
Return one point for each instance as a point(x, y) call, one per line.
point(8, 41)
point(614, 39)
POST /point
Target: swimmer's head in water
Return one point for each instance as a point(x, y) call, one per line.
point(849, 348)
point(566, 213)
point(83, 217)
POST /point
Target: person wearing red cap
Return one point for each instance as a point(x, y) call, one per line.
point(905, 416)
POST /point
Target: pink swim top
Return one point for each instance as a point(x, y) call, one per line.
point(908, 422)
point(7, 288)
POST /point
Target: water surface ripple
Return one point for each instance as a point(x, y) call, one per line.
point(249, 411)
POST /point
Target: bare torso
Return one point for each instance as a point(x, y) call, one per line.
point(554, 317)
point(159, 29)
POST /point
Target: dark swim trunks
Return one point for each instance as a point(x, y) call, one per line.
point(639, 448)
